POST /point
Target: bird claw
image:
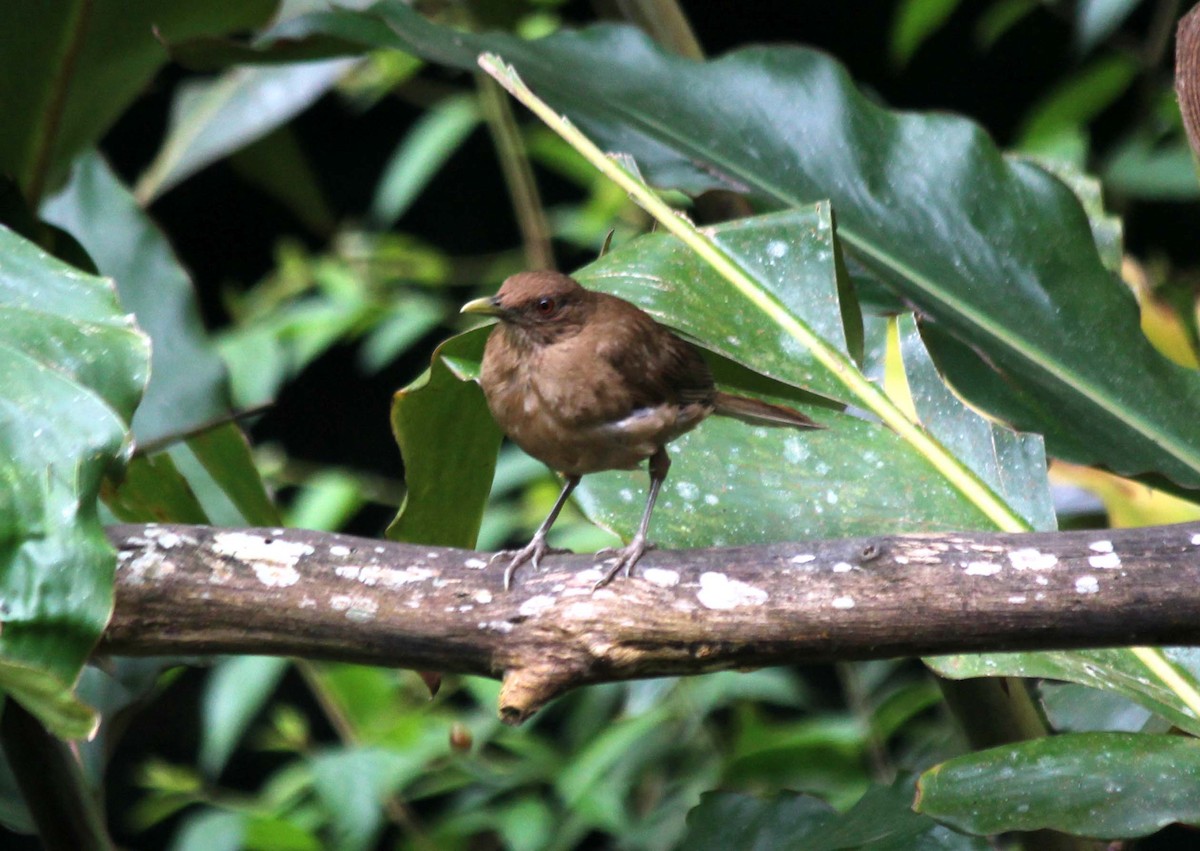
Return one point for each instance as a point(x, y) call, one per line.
point(531, 552)
point(627, 557)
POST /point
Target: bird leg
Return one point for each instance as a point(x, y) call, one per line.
point(536, 548)
point(629, 555)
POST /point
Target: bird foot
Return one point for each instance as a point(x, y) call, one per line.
point(531, 552)
point(627, 557)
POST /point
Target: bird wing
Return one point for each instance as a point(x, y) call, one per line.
point(656, 366)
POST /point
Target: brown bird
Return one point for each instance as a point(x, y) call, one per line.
point(584, 381)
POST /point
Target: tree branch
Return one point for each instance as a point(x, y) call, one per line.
point(186, 590)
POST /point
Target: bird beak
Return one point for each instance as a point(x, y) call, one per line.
point(487, 306)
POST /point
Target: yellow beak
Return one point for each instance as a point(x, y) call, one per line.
point(486, 306)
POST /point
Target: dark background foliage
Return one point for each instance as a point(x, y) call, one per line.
point(335, 413)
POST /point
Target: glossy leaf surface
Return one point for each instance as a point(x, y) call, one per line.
point(74, 366)
point(996, 251)
point(1105, 785)
point(448, 441)
point(1013, 464)
point(1114, 670)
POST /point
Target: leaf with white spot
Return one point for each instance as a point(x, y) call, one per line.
point(1115, 670)
point(74, 367)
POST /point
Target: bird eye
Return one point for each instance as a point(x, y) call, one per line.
point(545, 306)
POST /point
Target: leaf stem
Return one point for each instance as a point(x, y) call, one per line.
point(514, 163)
point(870, 396)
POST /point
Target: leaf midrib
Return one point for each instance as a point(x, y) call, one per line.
point(664, 133)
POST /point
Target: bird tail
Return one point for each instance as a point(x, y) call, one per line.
point(755, 412)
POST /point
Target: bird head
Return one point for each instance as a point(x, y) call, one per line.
point(545, 306)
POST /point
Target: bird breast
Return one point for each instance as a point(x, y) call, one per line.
point(566, 406)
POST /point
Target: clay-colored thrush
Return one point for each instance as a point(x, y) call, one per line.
point(584, 381)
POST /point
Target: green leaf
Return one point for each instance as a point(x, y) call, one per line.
point(1074, 103)
point(1107, 229)
point(212, 119)
point(49, 699)
point(68, 68)
point(74, 367)
point(999, 18)
point(353, 784)
point(326, 501)
point(432, 140)
point(225, 454)
point(793, 258)
point(1105, 785)
point(996, 251)
point(447, 487)
point(1144, 168)
point(1115, 670)
point(211, 830)
point(236, 692)
point(188, 384)
point(880, 821)
point(278, 834)
point(1012, 464)
point(1073, 708)
point(730, 483)
point(153, 491)
point(916, 21)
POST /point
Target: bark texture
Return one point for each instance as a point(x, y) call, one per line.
point(199, 590)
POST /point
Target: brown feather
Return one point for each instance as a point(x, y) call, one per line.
point(757, 412)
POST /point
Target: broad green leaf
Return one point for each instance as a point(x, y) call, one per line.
point(730, 483)
point(188, 384)
point(734, 484)
point(74, 368)
point(212, 119)
point(68, 68)
point(236, 691)
point(1104, 785)
point(448, 441)
point(792, 256)
point(1107, 229)
point(1114, 670)
point(996, 251)
point(1073, 708)
point(881, 821)
point(1012, 464)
